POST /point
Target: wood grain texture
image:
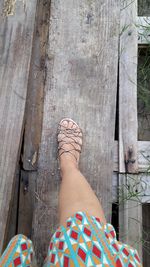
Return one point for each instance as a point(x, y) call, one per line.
point(130, 211)
point(26, 203)
point(11, 227)
point(37, 76)
point(16, 33)
point(115, 185)
point(81, 83)
point(143, 156)
point(33, 118)
point(128, 88)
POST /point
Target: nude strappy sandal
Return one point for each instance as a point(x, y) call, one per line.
point(73, 136)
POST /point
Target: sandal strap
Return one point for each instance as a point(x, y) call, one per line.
point(69, 143)
point(69, 151)
point(70, 133)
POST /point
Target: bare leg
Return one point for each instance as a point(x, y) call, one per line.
point(75, 193)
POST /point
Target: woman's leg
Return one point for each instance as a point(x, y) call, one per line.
point(75, 193)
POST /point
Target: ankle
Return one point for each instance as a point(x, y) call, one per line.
point(67, 165)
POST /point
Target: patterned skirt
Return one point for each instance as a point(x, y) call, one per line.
point(84, 241)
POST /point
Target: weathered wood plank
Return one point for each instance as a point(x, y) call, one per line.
point(11, 227)
point(33, 118)
point(16, 33)
point(128, 88)
point(130, 211)
point(26, 203)
point(115, 185)
point(143, 156)
point(37, 76)
point(130, 214)
point(81, 84)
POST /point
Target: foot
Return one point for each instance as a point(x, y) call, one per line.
point(70, 143)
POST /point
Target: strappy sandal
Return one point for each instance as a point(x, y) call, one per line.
point(71, 136)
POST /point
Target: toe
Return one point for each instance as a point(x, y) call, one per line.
point(70, 124)
point(64, 123)
point(79, 141)
point(80, 134)
point(74, 126)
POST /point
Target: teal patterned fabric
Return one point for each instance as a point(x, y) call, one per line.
point(84, 241)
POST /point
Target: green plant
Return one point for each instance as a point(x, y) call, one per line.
point(143, 81)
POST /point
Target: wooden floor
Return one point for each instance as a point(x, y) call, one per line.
point(78, 64)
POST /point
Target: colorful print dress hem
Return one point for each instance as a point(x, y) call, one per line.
point(84, 241)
